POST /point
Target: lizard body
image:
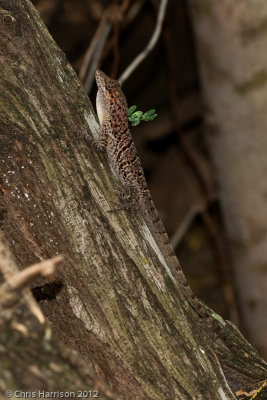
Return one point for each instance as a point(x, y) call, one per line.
point(116, 139)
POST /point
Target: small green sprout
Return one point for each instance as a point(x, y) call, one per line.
point(135, 117)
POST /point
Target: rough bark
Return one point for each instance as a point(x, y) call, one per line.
point(230, 39)
point(115, 301)
point(31, 359)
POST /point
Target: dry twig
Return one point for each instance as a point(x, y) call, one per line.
point(10, 290)
point(185, 224)
point(133, 11)
point(151, 44)
point(113, 15)
point(94, 51)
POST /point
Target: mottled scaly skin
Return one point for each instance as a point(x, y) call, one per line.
point(116, 139)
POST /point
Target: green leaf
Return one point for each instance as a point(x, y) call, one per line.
point(131, 110)
point(149, 113)
point(135, 117)
point(150, 118)
point(137, 114)
point(135, 122)
point(131, 119)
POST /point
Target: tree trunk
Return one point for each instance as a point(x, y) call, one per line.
point(116, 301)
point(231, 38)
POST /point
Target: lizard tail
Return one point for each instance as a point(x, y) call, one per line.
point(160, 236)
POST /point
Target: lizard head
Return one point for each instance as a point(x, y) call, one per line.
point(105, 84)
point(110, 98)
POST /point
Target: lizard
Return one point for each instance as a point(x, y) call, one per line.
point(115, 138)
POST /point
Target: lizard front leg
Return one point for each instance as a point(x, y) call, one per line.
point(100, 144)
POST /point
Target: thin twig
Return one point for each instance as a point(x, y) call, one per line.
point(113, 15)
point(26, 276)
point(10, 290)
point(127, 20)
point(151, 44)
point(185, 224)
point(133, 11)
point(94, 52)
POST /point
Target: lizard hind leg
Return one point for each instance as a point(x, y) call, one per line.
point(128, 196)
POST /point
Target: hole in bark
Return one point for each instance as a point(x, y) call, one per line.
point(8, 19)
point(48, 291)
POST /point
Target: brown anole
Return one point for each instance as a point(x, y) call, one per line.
point(116, 140)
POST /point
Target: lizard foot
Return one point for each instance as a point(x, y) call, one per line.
point(99, 145)
point(128, 198)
